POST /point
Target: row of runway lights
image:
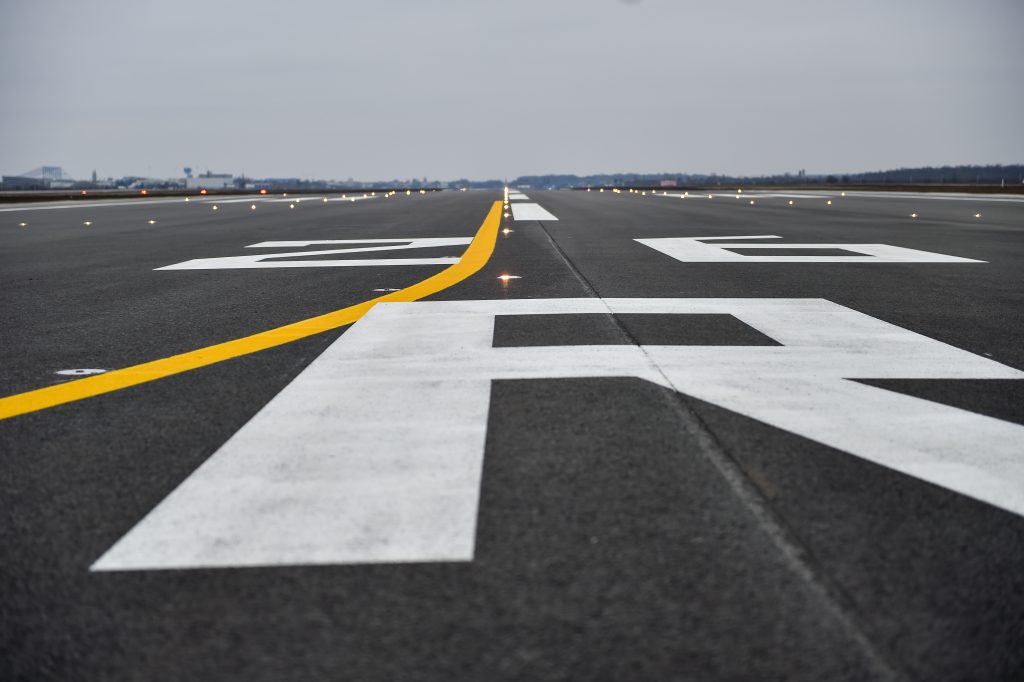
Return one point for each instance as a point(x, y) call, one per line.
point(506, 231)
point(738, 195)
point(344, 197)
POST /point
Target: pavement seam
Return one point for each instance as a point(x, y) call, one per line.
point(836, 600)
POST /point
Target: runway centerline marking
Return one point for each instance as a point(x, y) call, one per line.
point(476, 255)
point(697, 250)
point(328, 472)
point(530, 212)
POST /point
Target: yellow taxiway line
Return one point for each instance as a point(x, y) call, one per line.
point(476, 255)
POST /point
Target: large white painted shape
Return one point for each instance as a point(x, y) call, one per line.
point(531, 212)
point(374, 452)
point(278, 260)
point(696, 250)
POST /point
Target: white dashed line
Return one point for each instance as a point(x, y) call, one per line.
point(530, 212)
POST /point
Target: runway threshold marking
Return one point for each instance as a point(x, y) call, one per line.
point(476, 255)
point(326, 474)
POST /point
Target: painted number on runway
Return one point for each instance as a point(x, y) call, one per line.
point(289, 259)
point(697, 250)
point(374, 452)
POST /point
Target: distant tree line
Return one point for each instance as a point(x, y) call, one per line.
point(956, 175)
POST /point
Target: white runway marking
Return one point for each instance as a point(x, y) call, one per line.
point(695, 250)
point(935, 195)
point(101, 204)
point(530, 212)
point(203, 199)
point(917, 196)
point(273, 260)
point(374, 452)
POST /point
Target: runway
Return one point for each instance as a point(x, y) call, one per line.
point(549, 435)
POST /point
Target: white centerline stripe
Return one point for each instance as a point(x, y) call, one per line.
point(530, 212)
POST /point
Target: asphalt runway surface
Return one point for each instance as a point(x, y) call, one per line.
point(577, 457)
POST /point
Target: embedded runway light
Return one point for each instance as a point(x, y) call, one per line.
point(215, 207)
point(977, 215)
point(407, 193)
point(913, 215)
point(186, 200)
point(709, 196)
point(506, 230)
point(291, 205)
point(22, 224)
point(285, 194)
point(601, 190)
point(202, 191)
point(829, 202)
point(253, 207)
point(790, 202)
point(751, 202)
point(739, 191)
point(79, 372)
point(263, 191)
point(152, 222)
point(737, 196)
point(643, 194)
point(325, 200)
point(842, 194)
point(506, 215)
point(87, 223)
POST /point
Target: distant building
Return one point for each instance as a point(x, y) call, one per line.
point(209, 180)
point(21, 182)
point(44, 177)
point(668, 183)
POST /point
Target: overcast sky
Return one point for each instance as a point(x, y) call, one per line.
point(485, 89)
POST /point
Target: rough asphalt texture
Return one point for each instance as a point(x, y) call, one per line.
point(625, 532)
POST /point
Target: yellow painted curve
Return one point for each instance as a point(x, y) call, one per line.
point(476, 255)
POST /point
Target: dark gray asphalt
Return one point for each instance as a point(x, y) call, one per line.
point(625, 532)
